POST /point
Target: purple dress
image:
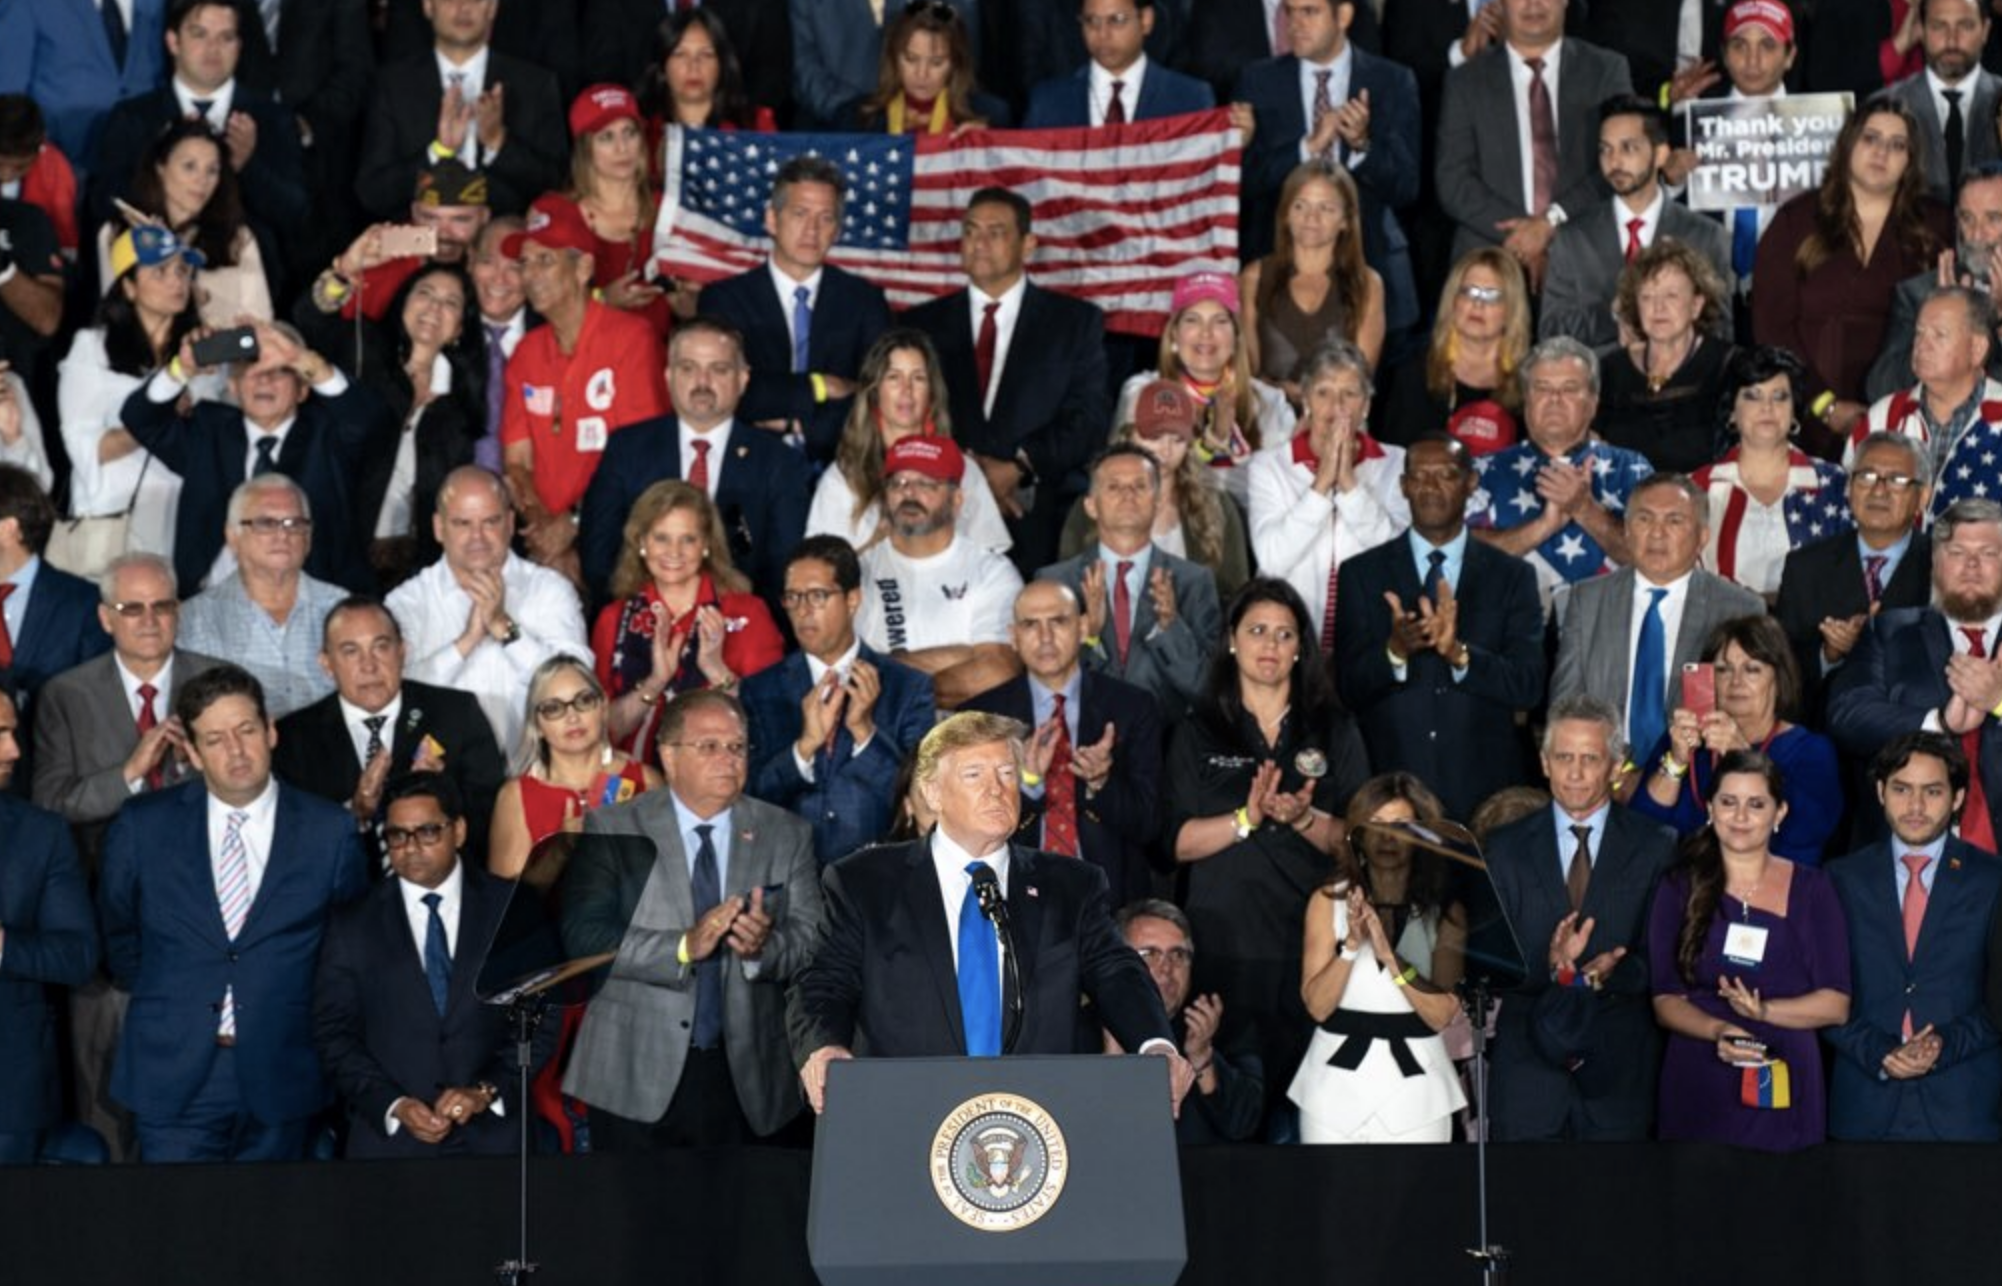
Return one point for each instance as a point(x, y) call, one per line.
point(1806, 950)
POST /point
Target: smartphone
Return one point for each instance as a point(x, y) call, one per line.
point(237, 344)
point(1699, 688)
point(409, 241)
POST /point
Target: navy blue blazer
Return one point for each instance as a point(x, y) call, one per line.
point(273, 184)
point(762, 493)
point(1894, 676)
point(1065, 102)
point(59, 631)
point(848, 316)
point(56, 52)
point(379, 1032)
point(1459, 737)
point(849, 801)
point(1115, 827)
point(164, 940)
point(1386, 178)
point(323, 453)
point(51, 940)
point(1943, 984)
point(1608, 1095)
point(884, 982)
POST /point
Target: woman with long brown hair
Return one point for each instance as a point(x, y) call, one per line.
point(1467, 381)
point(1831, 260)
point(612, 184)
point(1314, 286)
point(924, 81)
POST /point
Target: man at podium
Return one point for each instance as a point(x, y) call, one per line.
point(916, 958)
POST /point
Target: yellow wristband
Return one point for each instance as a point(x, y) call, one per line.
point(439, 152)
point(819, 387)
point(1093, 641)
point(1666, 101)
point(1404, 979)
point(681, 952)
point(1821, 404)
point(1997, 711)
point(1031, 779)
point(175, 371)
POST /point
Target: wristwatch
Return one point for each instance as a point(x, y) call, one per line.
point(512, 634)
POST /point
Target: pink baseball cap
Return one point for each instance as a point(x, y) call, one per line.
point(1217, 287)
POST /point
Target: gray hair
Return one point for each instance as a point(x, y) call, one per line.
point(1154, 909)
point(135, 560)
point(1583, 707)
point(1682, 482)
point(239, 499)
point(1563, 348)
point(1980, 310)
point(1337, 355)
point(1921, 460)
point(1965, 513)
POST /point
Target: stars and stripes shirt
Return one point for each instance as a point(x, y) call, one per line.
point(1966, 450)
point(1749, 542)
point(1507, 499)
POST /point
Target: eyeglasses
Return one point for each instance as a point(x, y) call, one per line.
point(1869, 479)
point(277, 526)
point(555, 707)
point(1481, 294)
point(1180, 957)
point(427, 834)
point(815, 598)
point(711, 749)
point(1107, 22)
point(159, 607)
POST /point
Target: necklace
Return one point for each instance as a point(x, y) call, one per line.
point(1656, 382)
point(1745, 899)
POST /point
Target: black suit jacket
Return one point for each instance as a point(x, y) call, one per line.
point(322, 67)
point(316, 754)
point(1571, 1063)
point(323, 452)
point(1825, 579)
point(884, 982)
point(1459, 737)
point(403, 121)
point(1644, 33)
point(1043, 40)
point(1226, 36)
point(273, 184)
point(1386, 179)
point(1051, 404)
point(849, 314)
point(620, 39)
point(543, 33)
point(1115, 827)
point(381, 1036)
point(762, 494)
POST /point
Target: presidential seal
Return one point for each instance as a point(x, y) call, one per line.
point(998, 1162)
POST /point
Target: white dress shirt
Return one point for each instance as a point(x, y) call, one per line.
point(1519, 77)
point(1005, 318)
point(353, 715)
point(785, 287)
point(474, 70)
point(219, 100)
point(716, 438)
point(1671, 627)
point(257, 832)
point(816, 670)
point(1100, 91)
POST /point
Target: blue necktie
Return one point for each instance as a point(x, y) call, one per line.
point(437, 956)
point(1435, 574)
point(1744, 242)
point(979, 975)
point(1645, 716)
point(707, 887)
point(802, 328)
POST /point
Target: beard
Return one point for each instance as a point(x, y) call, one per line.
point(1969, 605)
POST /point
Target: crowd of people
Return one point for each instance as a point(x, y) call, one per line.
point(385, 535)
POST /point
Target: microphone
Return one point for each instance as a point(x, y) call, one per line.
point(987, 887)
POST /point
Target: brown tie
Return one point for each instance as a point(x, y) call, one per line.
point(1580, 874)
point(1542, 139)
point(1115, 111)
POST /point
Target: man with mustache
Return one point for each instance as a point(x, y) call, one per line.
point(1977, 217)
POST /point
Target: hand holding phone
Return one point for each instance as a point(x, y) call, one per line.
point(408, 241)
point(1699, 689)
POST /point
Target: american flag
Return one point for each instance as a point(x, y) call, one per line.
point(1121, 212)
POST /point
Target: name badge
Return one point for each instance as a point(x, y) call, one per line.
point(591, 433)
point(1745, 945)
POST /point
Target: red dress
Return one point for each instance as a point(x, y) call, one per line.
point(622, 640)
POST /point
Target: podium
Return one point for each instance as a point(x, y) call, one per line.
point(1057, 1171)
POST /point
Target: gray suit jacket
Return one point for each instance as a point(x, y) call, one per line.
point(1589, 253)
point(1477, 168)
point(1170, 662)
point(1979, 117)
point(1595, 652)
point(635, 898)
point(1892, 370)
point(84, 733)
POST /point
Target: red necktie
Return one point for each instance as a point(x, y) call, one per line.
point(1915, 913)
point(983, 350)
point(1976, 827)
point(6, 635)
point(155, 777)
point(1542, 140)
point(1115, 111)
point(698, 473)
point(1060, 793)
point(1122, 611)
point(1634, 227)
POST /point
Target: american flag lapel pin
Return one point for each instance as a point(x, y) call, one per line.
point(1029, 889)
point(747, 835)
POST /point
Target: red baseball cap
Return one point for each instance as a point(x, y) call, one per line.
point(555, 222)
point(1769, 14)
point(931, 457)
point(599, 106)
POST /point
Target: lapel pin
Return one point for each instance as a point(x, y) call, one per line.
point(747, 835)
point(1029, 889)
point(743, 451)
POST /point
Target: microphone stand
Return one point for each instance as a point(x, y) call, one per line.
point(995, 908)
point(1480, 1003)
point(524, 1014)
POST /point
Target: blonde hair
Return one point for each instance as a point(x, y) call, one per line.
point(655, 503)
point(960, 731)
point(1516, 338)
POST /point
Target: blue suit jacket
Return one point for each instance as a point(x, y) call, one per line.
point(51, 939)
point(56, 52)
point(59, 632)
point(849, 799)
point(848, 316)
point(1959, 1099)
point(1387, 176)
point(762, 493)
point(1066, 101)
point(323, 453)
point(1115, 828)
point(165, 942)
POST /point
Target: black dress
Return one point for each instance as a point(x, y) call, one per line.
point(1409, 410)
point(1248, 902)
point(1675, 427)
